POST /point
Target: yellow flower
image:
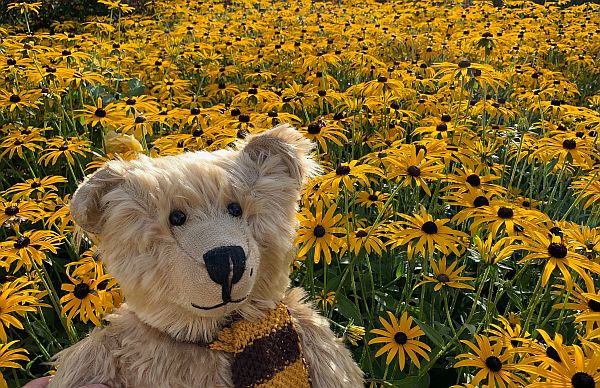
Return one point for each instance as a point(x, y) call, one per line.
point(557, 253)
point(118, 143)
point(426, 234)
point(400, 338)
point(8, 359)
point(17, 297)
point(320, 231)
point(28, 248)
point(83, 299)
point(493, 364)
point(446, 276)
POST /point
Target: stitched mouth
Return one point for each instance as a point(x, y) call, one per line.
point(220, 304)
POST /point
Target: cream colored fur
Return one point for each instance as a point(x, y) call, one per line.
point(158, 339)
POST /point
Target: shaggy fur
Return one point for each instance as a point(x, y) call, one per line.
point(158, 339)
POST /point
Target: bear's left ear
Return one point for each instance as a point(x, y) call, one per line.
point(281, 152)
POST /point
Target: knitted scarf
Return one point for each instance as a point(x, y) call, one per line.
point(266, 353)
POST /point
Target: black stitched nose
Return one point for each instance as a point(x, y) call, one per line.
point(225, 266)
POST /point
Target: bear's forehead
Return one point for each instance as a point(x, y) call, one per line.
point(189, 175)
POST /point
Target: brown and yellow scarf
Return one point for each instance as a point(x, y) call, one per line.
point(266, 353)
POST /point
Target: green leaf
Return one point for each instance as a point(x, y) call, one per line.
point(431, 333)
point(348, 309)
point(411, 382)
point(136, 87)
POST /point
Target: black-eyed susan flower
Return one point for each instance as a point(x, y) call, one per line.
point(9, 359)
point(319, 231)
point(325, 298)
point(557, 253)
point(446, 275)
point(400, 338)
point(14, 100)
point(64, 147)
point(82, 299)
point(19, 211)
point(21, 139)
point(103, 114)
point(347, 174)
point(323, 131)
point(493, 252)
point(492, 363)
point(575, 369)
point(425, 234)
point(39, 185)
point(28, 248)
point(499, 215)
point(17, 297)
point(413, 169)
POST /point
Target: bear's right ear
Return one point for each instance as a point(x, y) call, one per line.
point(86, 205)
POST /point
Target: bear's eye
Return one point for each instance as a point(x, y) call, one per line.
point(234, 209)
point(177, 218)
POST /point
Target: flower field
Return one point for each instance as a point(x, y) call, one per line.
point(453, 238)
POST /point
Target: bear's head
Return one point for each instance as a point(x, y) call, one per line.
point(196, 237)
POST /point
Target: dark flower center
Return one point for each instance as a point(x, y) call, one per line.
point(552, 354)
point(130, 101)
point(419, 148)
point(100, 112)
point(446, 118)
point(322, 93)
point(22, 242)
point(463, 64)
point(443, 127)
point(314, 129)
point(241, 134)
point(557, 250)
point(400, 338)
point(244, 118)
point(14, 99)
point(140, 119)
point(382, 78)
point(373, 197)
point(569, 144)
point(474, 180)
point(63, 147)
point(481, 201)
point(429, 227)
point(342, 170)
point(319, 231)
point(18, 142)
point(197, 132)
point(35, 184)
point(443, 278)
point(555, 230)
point(361, 234)
point(272, 114)
point(11, 210)
point(594, 305)
point(81, 290)
point(414, 171)
point(582, 380)
point(505, 212)
point(194, 111)
point(493, 363)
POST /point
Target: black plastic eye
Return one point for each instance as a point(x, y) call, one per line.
point(177, 218)
point(234, 209)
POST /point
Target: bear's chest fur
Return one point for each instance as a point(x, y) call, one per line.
point(153, 359)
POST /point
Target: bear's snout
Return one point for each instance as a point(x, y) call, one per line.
point(225, 266)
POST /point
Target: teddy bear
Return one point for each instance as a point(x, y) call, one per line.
point(201, 244)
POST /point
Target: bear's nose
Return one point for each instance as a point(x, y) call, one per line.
point(225, 266)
